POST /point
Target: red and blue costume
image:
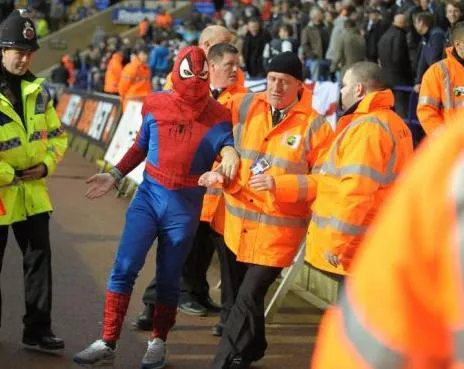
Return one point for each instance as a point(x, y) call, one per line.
point(183, 132)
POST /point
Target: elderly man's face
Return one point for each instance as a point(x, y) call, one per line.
point(282, 89)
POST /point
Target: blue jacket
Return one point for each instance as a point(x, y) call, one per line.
point(430, 51)
point(159, 60)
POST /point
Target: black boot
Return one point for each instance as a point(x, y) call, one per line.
point(144, 321)
point(46, 339)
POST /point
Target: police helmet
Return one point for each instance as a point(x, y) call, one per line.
point(17, 31)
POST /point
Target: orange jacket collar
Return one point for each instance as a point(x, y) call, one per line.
point(303, 104)
point(374, 101)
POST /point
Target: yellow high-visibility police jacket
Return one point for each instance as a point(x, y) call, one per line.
point(40, 139)
point(373, 145)
point(267, 228)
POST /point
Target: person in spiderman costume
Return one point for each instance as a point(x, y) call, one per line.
point(183, 132)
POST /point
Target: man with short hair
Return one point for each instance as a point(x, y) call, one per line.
point(431, 47)
point(393, 54)
point(280, 138)
point(315, 39)
point(372, 146)
point(442, 89)
point(453, 15)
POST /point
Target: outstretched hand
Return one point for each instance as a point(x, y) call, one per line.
point(100, 184)
point(209, 179)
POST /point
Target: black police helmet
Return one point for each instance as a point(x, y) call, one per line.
point(17, 31)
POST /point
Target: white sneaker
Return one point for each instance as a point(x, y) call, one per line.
point(155, 357)
point(98, 354)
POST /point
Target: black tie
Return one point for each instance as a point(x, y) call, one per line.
point(276, 117)
point(216, 92)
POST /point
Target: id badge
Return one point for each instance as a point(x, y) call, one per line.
point(260, 166)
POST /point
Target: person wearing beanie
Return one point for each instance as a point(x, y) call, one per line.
point(280, 138)
point(32, 144)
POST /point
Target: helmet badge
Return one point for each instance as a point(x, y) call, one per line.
point(28, 31)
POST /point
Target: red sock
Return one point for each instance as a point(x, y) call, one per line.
point(164, 319)
point(115, 311)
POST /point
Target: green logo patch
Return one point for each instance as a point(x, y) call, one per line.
point(291, 140)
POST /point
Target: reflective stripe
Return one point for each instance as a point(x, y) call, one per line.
point(448, 97)
point(339, 225)
point(384, 179)
point(364, 170)
point(290, 167)
point(457, 183)
point(317, 123)
point(10, 144)
point(267, 219)
point(36, 136)
point(213, 191)
point(458, 339)
point(426, 100)
point(56, 132)
point(375, 353)
point(242, 114)
point(302, 188)
point(39, 135)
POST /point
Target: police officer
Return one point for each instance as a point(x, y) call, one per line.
point(32, 142)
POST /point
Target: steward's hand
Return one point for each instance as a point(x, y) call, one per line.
point(262, 182)
point(230, 163)
point(210, 178)
point(36, 172)
point(100, 184)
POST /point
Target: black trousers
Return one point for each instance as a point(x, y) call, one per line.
point(33, 238)
point(194, 284)
point(244, 332)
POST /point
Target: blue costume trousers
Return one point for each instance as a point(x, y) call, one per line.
point(172, 216)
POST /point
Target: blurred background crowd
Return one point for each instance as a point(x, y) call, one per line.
point(404, 36)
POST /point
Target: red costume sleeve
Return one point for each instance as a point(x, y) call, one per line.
point(133, 157)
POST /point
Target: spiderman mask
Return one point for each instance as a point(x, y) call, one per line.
point(190, 75)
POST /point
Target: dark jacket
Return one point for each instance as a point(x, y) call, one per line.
point(430, 51)
point(393, 54)
point(253, 47)
point(373, 36)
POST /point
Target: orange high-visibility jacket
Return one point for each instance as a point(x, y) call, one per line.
point(403, 306)
point(213, 205)
point(372, 146)
point(267, 228)
point(441, 92)
point(113, 74)
point(143, 27)
point(163, 20)
point(135, 80)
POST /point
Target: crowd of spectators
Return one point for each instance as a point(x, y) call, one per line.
point(404, 36)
